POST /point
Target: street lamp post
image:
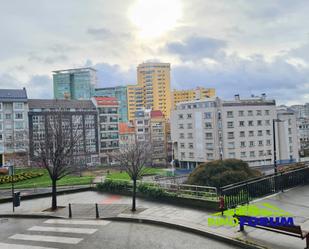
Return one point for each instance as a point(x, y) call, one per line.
point(274, 143)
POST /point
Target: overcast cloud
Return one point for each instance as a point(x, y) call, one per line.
point(240, 46)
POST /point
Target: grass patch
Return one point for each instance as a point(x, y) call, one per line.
point(44, 180)
point(124, 176)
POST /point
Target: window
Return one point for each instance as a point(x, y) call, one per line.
point(190, 146)
point(267, 132)
point(1, 137)
point(259, 122)
point(180, 116)
point(18, 106)
point(251, 133)
point(259, 113)
point(242, 134)
point(260, 133)
point(290, 131)
point(260, 142)
point(210, 156)
point(242, 144)
point(182, 145)
point(0, 116)
point(267, 122)
point(230, 124)
point(231, 154)
point(8, 116)
point(207, 115)
point(191, 154)
point(250, 113)
point(139, 122)
point(19, 115)
point(190, 135)
point(209, 146)
point(189, 126)
point(290, 140)
point(231, 145)
point(140, 130)
point(180, 126)
point(251, 143)
point(268, 152)
point(229, 114)
point(261, 152)
point(189, 115)
point(266, 112)
point(290, 121)
point(19, 125)
point(291, 149)
point(243, 154)
point(240, 113)
point(268, 142)
point(1, 126)
point(208, 125)
point(230, 135)
point(208, 135)
point(241, 123)
point(250, 123)
point(252, 154)
point(181, 135)
point(182, 154)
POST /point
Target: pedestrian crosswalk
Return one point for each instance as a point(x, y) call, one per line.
point(54, 232)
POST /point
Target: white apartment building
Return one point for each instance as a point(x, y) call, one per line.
point(212, 129)
point(14, 142)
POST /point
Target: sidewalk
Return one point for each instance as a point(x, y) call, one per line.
point(295, 201)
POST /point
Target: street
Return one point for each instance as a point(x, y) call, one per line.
point(77, 233)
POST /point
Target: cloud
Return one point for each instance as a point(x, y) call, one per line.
point(196, 47)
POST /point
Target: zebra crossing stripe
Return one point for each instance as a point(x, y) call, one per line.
point(63, 229)
point(45, 238)
point(19, 246)
point(78, 222)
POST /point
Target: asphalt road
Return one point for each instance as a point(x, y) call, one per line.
point(43, 234)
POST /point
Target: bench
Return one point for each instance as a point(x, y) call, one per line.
point(291, 230)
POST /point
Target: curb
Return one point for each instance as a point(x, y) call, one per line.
point(31, 216)
point(186, 228)
point(46, 194)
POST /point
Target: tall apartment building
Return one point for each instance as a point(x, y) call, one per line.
point(211, 129)
point(14, 142)
point(154, 78)
point(135, 100)
point(119, 92)
point(192, 94)
point(303, 133)
point(75, 84)
point(78, 116)
point(142, 125)
point(108, 108)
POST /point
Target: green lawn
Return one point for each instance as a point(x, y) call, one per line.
point(44, 180)
point(124, 176)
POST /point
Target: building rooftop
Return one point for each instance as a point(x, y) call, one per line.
point(60, 104)
point(112, 101)
point(125, 128)
point(9, 95)
point(156, 114)
point(72, 70)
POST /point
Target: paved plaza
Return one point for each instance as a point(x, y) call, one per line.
point(295, 201)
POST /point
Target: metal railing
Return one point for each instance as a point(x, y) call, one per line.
point(181, 190)
point(244, 192)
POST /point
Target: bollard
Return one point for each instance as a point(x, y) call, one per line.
point(97, 211)
point(70, 211)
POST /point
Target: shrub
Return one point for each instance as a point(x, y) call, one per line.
point(117, 186)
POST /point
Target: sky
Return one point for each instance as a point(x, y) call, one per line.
point(238, 47)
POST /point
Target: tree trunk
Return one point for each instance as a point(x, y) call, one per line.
point(134, 196)
point(54, 195)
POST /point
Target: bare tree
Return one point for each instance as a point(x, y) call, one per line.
point(57, 150)
point(133, 158)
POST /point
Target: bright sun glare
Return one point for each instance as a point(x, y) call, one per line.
point(153, 18)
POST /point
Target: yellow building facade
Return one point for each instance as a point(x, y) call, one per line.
point(192, 94)
point(154, 79)
point(135, 98)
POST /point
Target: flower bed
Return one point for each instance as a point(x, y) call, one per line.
point(19, 177)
